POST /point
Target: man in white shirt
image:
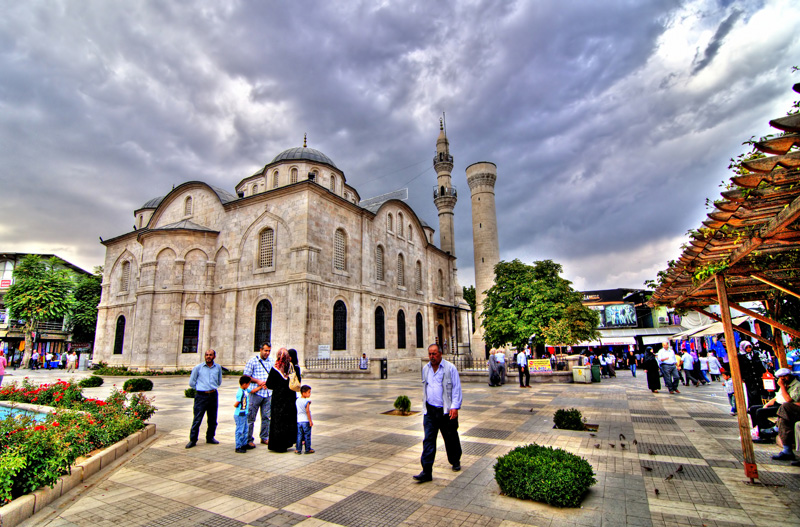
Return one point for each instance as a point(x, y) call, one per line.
point(522, 366)
point(667, 363)
point(500, 356)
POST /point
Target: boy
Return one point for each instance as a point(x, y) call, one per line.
point(304, 422)
point(240, 413)
point(728, 383)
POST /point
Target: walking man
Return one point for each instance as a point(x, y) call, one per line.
point(501, 365)
point(257, 369)
point(667, 363)
point(441, 400)
point(522, 364)
point(205, 380)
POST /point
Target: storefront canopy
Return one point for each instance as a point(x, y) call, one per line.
point(617, 341)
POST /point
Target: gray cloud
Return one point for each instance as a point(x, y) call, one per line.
point(702, 60)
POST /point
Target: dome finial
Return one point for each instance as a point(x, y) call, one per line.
point(441, 124)
point(304, 140)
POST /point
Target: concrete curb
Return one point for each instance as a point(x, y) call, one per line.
point(26, 506)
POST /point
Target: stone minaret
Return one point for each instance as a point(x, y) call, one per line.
point(444, 195)
point(481, 178)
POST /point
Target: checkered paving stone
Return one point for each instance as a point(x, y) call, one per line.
point(790, 481)
point(661, 470)
point(469, 448)
point(526, 404)
point(711, 415)
point(653, 420)
point(191, 516)
point(692, 492)
point(325, 416)
point(667, 449)
point(280, 518)
point(231, 477)
point(397, 439)
point(649, 412)
point(763, 457)
point(167, 465)
point(329, 472)
point(520, 411)
point(365, 509)
point(489, 433)
point(708, 423)
point(279, 491)
point(432, 516)
point(674, 519)
point(138, 511)
point(377, 450)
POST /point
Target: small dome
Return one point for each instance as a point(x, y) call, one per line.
point(153, 203)
point(304, 153)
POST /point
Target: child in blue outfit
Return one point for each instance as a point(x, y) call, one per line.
point(728, 383)
point(304, 422)
point(240, 413)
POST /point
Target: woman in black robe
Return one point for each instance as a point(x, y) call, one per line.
point(650, 364)
point(283, 418)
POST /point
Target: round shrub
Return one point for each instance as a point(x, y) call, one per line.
point(138, 384)
point(545, 474)
point(403, 404)
point(571, 419)
point(91, 382)
point(190, 393)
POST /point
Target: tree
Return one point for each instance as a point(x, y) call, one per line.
point(469, 298)
point(535, 301)
point(84, 313)
point(41, 291)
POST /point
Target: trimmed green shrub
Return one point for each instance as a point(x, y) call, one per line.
point(545, 474)
point(91, 382)
point(190, 393)
point(403, 404)
point(138, 384)
point(571, 419)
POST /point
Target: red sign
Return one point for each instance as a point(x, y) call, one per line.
point(5, 283)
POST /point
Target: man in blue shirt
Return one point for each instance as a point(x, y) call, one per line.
point(205, 380)
point(441, 400)
point(257, 368)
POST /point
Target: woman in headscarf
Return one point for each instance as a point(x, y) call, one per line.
point(751, 369)
point(283, 418)
point(650, 365)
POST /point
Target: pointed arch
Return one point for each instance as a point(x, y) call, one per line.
point(119, 335)
point(339, 325)
point(401, 329)
point(263, 324)
point(420, 335)
point(379, 270)
point(380, 329)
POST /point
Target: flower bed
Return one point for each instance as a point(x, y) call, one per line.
point(34, 455)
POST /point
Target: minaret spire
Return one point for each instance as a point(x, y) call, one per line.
point(305, 136)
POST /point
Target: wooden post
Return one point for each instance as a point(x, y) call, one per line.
point(750, 467)
point(773, 308)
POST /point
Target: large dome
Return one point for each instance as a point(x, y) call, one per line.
point(305, 153)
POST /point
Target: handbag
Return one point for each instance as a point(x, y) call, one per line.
point(294, 382)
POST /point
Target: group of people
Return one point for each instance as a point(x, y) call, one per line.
point(51, 360)
point(264, 388)
point(498, 367)
point(680, 369)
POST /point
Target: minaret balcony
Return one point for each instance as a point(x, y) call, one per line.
point(445, 192)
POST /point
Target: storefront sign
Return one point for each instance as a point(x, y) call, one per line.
point(5, 283)
point(540, 366)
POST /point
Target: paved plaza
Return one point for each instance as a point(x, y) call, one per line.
point(361, 472)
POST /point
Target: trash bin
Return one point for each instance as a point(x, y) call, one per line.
point(595, 373)
point(582, 374)
point(384, 368)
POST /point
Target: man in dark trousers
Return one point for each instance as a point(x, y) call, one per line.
point(205, 380)
point(441, 400)
point(751, 369)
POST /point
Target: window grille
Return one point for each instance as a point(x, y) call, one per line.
point(380, 341)
point(340, 250)
point(401, 272)
point(191, 336)
point(339, 326)
point(420, 339)
point(418, 277)
point(410, 234)
point(125, 280)
point(275, 179)
point(294, 175)
point(401, 330)
point(333, 183)
point(119, 336)
point(399, 224)
point(266, 249)
point(389, 223)
point(441, 283)
point(187, 206)
point(263, 331)
point(379, 263)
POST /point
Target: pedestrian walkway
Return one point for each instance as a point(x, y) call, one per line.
point(361, 472)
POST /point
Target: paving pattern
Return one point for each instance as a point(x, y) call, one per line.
point(361, 472)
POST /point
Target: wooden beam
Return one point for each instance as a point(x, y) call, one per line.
point(773, 309)
point(766, 320)
point(740, 330)
point(781, 220)
point(750, 467)
point(777, 284)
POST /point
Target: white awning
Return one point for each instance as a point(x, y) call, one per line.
point(617, 341)
point(589, 343)
point(657, 339)
point(716, 328)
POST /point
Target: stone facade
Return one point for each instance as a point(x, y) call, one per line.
point(204, 264)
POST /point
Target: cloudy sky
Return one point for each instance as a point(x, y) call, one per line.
point(610, 122)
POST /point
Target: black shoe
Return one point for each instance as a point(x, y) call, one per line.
point(249, 447)
point(457, 467)
point(212, 441)
point(783, 456)
point(241, 450)
point(422, 477)
point(795, 463)
point(191, 444)
point(766, 440)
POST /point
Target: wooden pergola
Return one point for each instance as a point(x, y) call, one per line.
point(747, 250)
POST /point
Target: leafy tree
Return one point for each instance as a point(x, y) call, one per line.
point(41, 291)
point(528, 300)
point(469, 298)
point(87, 298)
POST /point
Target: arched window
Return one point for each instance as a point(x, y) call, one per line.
point(125, 279)
point(441, 283)
point(266, 249)
point(294, 175)
point(339, 326)
point(333, 183)
point(401, 330)
point(418, 276)
point(410, 233)
point(275, 179)
point(400, 224)
point(420, 336)
point(313, 175)
point(263, 332)
point(187, 206)
point(401, 271)
point(379, 263)
point(380, 341)
point(389, 223)
point(255, 188)
point(119, 336)
point(340, 250)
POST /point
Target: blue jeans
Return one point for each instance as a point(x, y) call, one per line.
point(436, 421)
point(732, 400)
point(633, 368)
point(303, 434)
point(256, 402)
point(241, 429)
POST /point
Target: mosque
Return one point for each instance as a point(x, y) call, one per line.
point(294, 257)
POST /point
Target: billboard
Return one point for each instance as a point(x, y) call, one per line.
point(619, 315)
